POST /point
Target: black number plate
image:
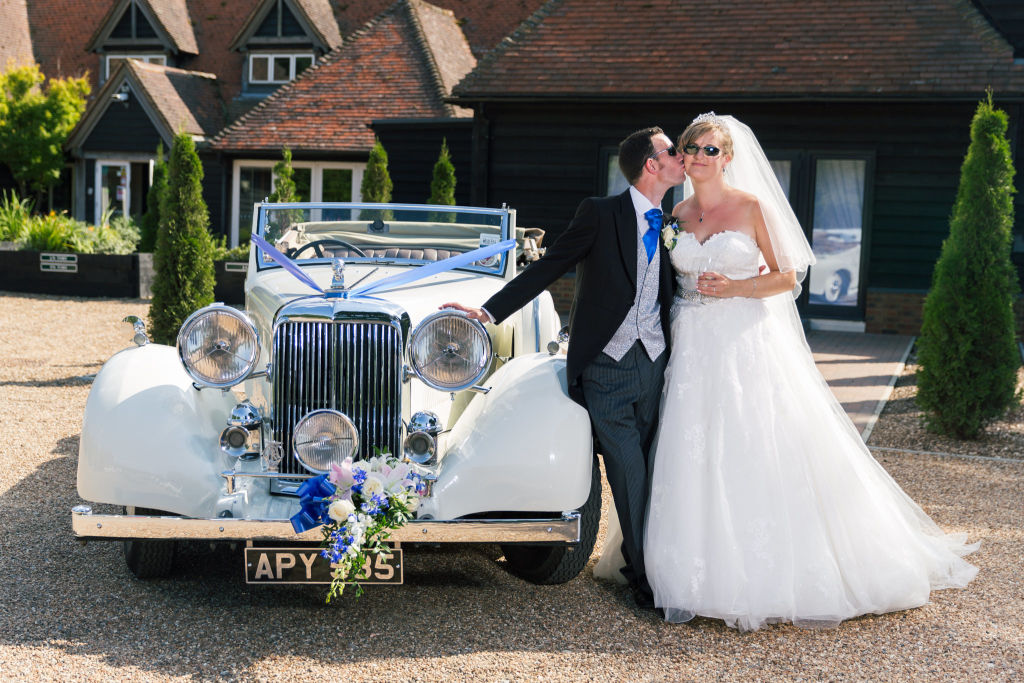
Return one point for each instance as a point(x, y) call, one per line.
point(305, 565)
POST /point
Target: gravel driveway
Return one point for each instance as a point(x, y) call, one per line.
point(72, 612)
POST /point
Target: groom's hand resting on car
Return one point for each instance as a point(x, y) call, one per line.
point(474, 313)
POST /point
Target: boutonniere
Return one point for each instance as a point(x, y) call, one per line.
point(670, 233)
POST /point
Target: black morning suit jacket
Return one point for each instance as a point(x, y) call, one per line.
point(601, 241)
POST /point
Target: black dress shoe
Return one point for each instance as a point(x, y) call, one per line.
point(642, 595)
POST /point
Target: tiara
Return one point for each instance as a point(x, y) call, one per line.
point(709, 117)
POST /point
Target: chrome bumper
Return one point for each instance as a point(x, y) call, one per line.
point(89, 526)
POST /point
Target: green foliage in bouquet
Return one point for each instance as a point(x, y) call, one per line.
point(183, 260)
point(151, 219)
point(442, 184)
point(967, 353)
point(376, 185)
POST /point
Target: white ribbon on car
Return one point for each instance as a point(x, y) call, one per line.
point(388, 283)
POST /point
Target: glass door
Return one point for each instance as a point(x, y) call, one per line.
point(113, 183)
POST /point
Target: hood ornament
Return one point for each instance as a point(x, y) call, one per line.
point(337, 274)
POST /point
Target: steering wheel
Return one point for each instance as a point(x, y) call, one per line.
point(317, 244)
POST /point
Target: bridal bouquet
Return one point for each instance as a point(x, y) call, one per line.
point(358, 503)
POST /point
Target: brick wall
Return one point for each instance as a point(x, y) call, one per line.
point(562, 291)
point(894, 312)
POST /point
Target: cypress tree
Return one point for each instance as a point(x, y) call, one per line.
point(183, 260)
point(284, 185)
point(967, 352)
point(151, 219)
point(442, 184)
point(376, 186)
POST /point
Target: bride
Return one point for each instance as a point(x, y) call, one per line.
point(765, 505)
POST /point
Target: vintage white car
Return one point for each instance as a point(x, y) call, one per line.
point(341, 350)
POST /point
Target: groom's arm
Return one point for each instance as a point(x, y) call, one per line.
point(568, 250)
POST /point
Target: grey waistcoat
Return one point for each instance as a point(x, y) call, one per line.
point(643, 321)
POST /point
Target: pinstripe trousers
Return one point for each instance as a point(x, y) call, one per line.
point(623, 398)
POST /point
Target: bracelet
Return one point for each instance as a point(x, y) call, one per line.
point(753, 280)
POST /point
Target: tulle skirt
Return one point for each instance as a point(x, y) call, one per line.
point(765, 504)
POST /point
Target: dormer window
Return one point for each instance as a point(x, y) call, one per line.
point(111, 61)
point(277, 67)
point(133, 25)
point(280, 23)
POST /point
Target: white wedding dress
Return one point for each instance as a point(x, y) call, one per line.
point(765, 504)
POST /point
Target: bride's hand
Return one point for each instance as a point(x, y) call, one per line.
point(711, 283)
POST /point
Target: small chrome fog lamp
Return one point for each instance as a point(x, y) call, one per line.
point(421, 443)
point(243, 436)
point(323, 437)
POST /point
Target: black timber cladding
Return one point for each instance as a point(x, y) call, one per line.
point(543, 159)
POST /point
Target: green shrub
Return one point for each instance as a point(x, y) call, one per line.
point(376, 185)
point(15, 216)
point(151, 219)
point(53, 232)
point(221, 251)
point(121, 236)
point(967, 352)
point(183, 260)
point(442, 184)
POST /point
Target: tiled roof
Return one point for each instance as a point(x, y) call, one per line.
point(173, 15)
point(321, 16)
point(170, 17)
point(176, 100)
point(316, 14)
point(383, 71)
point(748, 49)
point(186, 100)
point(61, 30)
point(15, 43)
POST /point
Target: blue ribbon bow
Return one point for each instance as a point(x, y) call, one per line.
point(655, 220)
point(314, 499)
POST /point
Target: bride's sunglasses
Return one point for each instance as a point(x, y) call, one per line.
point(709, 150)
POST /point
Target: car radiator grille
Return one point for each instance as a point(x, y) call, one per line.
point(352, 367)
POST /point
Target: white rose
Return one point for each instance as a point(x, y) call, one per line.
point(412, 501)
point(374, 485)
point(339, 510)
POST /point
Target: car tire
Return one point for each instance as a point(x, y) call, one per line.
point(837, 286)
point(149, 559)
point(551, 564)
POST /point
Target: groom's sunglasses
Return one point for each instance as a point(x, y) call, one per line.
point(709, 150)
point(671, 152)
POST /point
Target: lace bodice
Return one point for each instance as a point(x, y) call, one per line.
point(730, 252)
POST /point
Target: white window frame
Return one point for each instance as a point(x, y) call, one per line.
point(126, 164)
point(315, 182)
point(149, 57)
point(271, 56)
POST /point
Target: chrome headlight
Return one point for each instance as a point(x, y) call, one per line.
point(219, 346)
point(324, 437)
point(449, 351)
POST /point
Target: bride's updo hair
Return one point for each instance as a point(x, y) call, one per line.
point(706, 123)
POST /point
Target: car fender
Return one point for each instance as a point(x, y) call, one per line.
point(149, 438)
point(524, 446)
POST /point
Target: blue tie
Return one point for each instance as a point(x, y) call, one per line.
point(654, 219)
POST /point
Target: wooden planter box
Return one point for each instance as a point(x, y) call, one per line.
point(125, 276)
point(229, 287)
point(121, 276)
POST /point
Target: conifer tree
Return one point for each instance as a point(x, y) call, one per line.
point(183, 260)
point(967, 353)
point(151, 219)
point(376, 186)
point(442, 184)
point(284, 185)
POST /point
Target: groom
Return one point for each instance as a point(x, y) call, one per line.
point(618, 323)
